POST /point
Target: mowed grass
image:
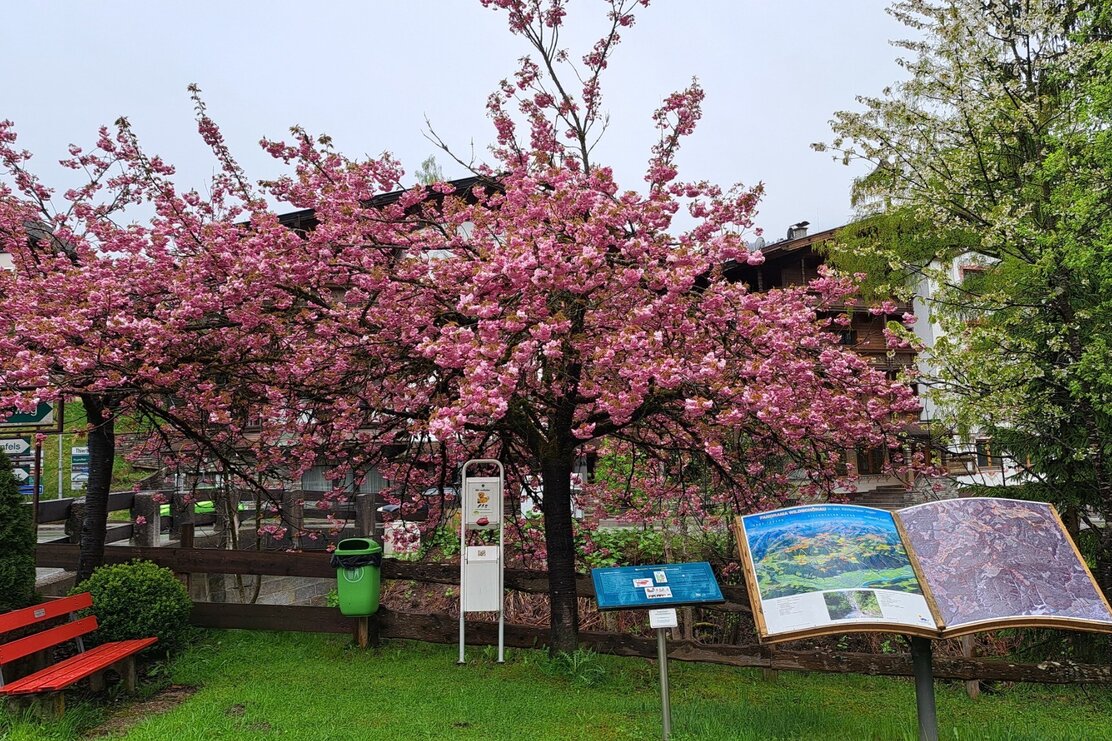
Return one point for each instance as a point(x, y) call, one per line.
point(308, 686)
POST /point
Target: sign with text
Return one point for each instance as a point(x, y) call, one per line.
point(482, 502)
point(79, 467)
point(17, 447)
point(42, 416)
point(654, 587)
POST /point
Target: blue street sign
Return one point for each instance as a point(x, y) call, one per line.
point(28, 490)
point(653, 587)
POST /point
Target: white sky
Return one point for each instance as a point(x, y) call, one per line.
point(369, 73)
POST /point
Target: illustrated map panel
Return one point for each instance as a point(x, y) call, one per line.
point(986, 559)
point(662, 585)
point(824, 565)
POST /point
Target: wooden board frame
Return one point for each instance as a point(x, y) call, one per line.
point(825, 630)
point(942, 632)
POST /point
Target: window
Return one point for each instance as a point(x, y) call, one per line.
point(985, 457)
point(870, 461)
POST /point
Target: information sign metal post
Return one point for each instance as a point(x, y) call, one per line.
point(662, 620)
point(660, 588)
point(481, 585)
point(921, 650)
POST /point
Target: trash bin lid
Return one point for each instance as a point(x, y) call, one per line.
point(357, 546)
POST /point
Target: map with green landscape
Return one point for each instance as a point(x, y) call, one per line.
point(824, 547)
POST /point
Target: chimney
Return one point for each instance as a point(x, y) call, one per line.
point(795, 231)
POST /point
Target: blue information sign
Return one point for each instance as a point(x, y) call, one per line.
point(652, 587)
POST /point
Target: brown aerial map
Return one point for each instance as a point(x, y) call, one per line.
point(992, 559)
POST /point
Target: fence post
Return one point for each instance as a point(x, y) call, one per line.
point(182, 514)
point(972, 687)
point(366, 517)
point(146, 534)
point(75, 520)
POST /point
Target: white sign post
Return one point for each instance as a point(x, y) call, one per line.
point(480, 567)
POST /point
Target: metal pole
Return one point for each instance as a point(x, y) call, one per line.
point(924, 688)
point(37, 483)
point(462, 569)
point(60, 436)
point(501, 570)
point(662, 659)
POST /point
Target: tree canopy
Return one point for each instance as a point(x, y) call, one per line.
point(531, 313)
point(994, 157)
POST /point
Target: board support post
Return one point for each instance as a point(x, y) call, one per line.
point(921, 651)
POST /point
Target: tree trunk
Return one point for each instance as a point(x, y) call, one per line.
point(102, 454)
point(1104, 559)
point(564, 630)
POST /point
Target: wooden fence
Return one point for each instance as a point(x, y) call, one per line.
point(444, 629)
point(357, 514)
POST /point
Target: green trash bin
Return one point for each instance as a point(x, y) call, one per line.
point(358, 564)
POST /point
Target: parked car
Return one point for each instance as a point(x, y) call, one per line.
point(418, 505)
point(532, 493)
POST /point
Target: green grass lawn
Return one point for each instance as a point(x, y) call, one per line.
point(308, 686)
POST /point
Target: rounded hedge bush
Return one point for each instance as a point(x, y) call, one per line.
point(138, 600)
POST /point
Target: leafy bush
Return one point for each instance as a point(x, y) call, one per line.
point(625, 547)
point(138, 600)
point(582, 667)
point(17, 544)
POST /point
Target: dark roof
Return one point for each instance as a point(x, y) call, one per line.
point(787, 246)
point(306, 219)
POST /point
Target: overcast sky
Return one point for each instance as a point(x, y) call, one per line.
point(369, 73)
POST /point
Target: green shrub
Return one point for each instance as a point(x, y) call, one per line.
point(582, 667)
point(138, 600)
point(625, 547)
point(17, 544)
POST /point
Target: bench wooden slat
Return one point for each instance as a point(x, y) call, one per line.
point(74, 669)
point(47, 638)
point(17, 619)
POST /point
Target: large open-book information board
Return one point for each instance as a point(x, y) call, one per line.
point(936, 570)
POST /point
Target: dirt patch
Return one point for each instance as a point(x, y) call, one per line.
point(130, 714)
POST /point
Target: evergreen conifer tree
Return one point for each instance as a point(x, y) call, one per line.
point(17, 543)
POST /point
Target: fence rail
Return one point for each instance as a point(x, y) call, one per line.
point(440, 628)
point(149, 508)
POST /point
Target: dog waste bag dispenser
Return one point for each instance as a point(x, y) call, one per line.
point(358, 564)
point(480, 576)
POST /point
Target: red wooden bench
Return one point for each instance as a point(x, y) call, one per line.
point(52, 680)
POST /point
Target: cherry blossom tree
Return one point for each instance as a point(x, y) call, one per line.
point(532, 313)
